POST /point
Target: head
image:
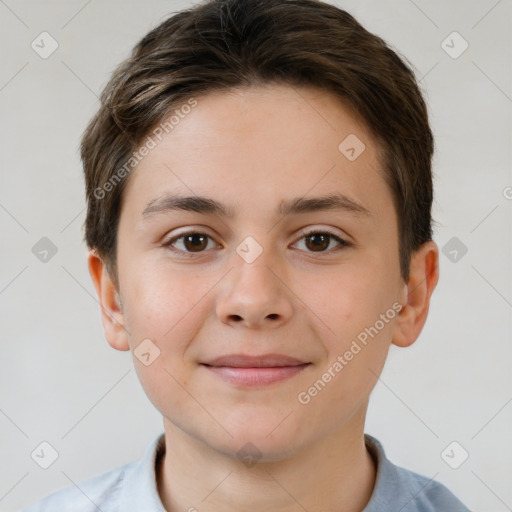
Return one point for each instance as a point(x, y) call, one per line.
point(303, 145)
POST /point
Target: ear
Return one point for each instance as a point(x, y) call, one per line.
point(423, 278)
point(112, 316)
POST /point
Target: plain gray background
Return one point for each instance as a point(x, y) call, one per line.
point(63, 384)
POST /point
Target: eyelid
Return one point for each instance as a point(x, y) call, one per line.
point(310, 231)
point(190, 231)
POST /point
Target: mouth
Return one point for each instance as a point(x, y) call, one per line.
point(244, 370)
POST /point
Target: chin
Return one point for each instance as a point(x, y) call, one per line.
point(249, 451)
point(262, 442)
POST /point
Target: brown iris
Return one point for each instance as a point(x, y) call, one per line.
point(320, 241)
point(195, 242)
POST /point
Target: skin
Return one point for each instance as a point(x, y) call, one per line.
point(251, 149)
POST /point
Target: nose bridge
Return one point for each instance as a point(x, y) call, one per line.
point(253, 293)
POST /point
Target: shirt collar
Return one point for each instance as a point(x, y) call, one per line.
point(387, 482)
point(140, 489)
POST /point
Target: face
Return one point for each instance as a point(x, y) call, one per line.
point(300, 297)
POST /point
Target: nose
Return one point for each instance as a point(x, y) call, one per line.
point(254, 295)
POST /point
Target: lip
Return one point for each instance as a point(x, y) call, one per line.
point(261, 361)
point(244, 370)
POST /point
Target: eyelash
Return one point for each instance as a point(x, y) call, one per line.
point(342, 243)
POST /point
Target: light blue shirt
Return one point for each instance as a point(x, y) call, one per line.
point(132, 488)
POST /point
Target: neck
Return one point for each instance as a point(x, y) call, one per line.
point(334, 474)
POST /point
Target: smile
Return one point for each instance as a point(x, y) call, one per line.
point(243, 370)
point(256, 376)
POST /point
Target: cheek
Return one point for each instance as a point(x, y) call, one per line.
point(355, 358)
point(352, 296)
point(164, 307)
point(357, 307)
point(161, 304)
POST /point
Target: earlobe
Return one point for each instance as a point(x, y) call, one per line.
point(112, 315)
point(423, 278)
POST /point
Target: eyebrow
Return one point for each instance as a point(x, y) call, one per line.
point(207, 205)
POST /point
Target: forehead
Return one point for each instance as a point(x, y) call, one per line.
point(258, 146)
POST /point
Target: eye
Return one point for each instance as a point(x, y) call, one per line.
point(194, 242)
point(320, 241)
point(189, 243)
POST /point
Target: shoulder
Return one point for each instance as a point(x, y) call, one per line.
point(428, 495)
point(128, 488)
point(410, 492)
point(101, 492)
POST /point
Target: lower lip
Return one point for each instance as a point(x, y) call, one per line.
point(256, 376)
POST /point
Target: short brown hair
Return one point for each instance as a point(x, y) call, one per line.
point(222, 44)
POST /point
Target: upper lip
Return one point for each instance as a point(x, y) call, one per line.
point(262, 361)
